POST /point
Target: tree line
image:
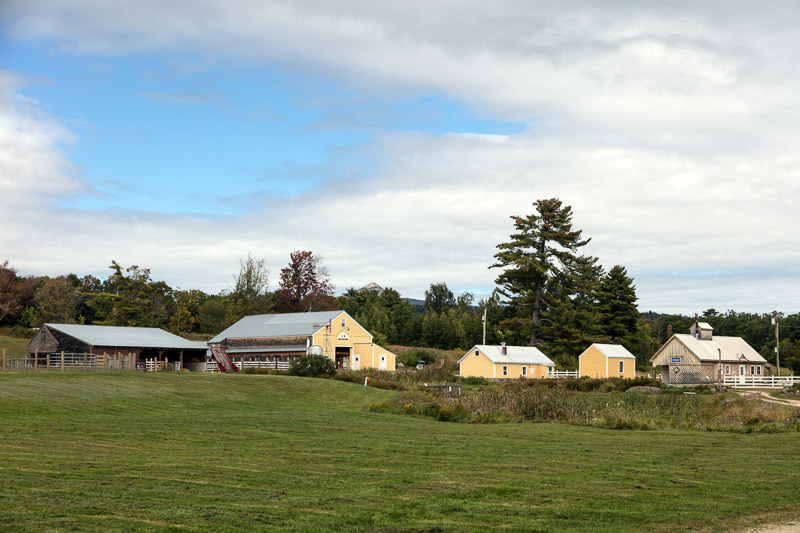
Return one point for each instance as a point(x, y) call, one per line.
point(548, 294)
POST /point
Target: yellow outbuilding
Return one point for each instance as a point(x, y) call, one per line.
point(505, 362)
point(607, 361)
point(272, 341)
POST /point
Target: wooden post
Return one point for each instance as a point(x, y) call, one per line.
point(84, 361)
point(181, 359)
point(4, 359)
point(36, 361)
point(62, 360)
point(47, 360)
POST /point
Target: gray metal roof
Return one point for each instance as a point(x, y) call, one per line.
point(119, 336)
point(277, 325)
point(616, 351)
point(524, 355)
point(733, 349)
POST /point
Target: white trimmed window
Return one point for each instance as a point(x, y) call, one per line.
point(621, 367)
point(550, 370)
point(477, 353)
point(752, 370)
point(758, 371)
point(742, 370)
point(727, 370)
point(344, 322)
point(524, 371)
point(505, 370)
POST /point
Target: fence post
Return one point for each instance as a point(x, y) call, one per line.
point(4, 359)
point(62, 360)
point(47, 360)
point(36, 360)
point(84, 361)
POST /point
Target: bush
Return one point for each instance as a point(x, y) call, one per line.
point(474, 380)
point(312, 366)
point(413, 355)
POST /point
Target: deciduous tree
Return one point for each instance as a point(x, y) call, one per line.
point(305, 284)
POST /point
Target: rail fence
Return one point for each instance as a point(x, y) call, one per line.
point(242, 364)
point(563, 374)
point(67, 361)
point(760, 382)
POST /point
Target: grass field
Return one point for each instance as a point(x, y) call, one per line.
point(190, 452)
point(15, 348)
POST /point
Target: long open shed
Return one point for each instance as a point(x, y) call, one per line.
point(136, 344)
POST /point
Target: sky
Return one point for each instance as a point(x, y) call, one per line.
point(396, 139)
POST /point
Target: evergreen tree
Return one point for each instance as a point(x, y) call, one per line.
point(617, 305)
point(541, 266)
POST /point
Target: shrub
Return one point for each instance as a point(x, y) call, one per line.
point(413, 355)
point(312, 366)
point(474, 380)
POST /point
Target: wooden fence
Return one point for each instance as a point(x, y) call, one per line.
point(242, 364)
point(760, 382)
point(62, 361)
point(563, 374)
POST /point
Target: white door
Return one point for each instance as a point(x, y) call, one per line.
point(356, 362)
point(382, 363)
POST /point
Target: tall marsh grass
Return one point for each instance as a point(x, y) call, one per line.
point(546, 401)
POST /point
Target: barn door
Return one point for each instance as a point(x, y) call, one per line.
point(383, 362)
point(356, 362)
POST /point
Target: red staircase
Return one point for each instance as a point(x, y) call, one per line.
point(223, 359)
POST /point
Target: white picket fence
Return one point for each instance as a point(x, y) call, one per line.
point(759, 382)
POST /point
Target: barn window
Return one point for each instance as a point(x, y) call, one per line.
point(758, 370)
point(477, 353)
point(550, 370)
point(621, 367)
point(752, 370)
point(505, 370)
point(727, 370)
point(524, 371)
point(344, 322)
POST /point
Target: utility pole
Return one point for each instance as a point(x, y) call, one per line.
point(777, 343)
point(484, 326)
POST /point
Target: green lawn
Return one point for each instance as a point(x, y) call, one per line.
point(190, 452)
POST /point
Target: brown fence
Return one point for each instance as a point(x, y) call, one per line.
point(82, 362)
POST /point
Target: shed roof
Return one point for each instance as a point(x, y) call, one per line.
point(277, 325)
point(616, 351)
point(704, 325)
point(522, 355)
point(121, 336)
point(733, 349)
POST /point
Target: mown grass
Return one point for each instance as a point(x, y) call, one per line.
point(192, 452)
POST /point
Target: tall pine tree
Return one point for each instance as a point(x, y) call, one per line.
point(542, 267)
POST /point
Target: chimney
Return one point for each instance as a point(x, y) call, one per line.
point(503, 348)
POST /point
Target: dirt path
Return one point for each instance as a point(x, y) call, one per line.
point(768, 398)
point(788, 527)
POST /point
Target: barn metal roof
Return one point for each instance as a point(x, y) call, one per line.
point(277, 325)
point(617, 351)
point(733, 348)
point(523, 355)
point(120, 336)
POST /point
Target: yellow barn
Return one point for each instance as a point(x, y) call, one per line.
point(607, 361)
point(505, 362)
point(272, 341)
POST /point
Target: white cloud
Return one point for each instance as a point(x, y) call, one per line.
point(671, 130)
